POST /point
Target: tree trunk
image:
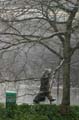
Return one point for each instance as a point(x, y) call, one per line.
point(66, 80)
point(67, 59)
point(66, 74)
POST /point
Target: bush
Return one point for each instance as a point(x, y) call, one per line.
point(38, 112)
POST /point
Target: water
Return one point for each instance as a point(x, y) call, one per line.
point(26, 91)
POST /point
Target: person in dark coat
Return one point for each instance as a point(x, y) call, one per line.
point(44, 88)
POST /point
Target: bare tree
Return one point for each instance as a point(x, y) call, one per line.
point(50, 23)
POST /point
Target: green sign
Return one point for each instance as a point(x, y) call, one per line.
point(10, 100)
point(11, 97)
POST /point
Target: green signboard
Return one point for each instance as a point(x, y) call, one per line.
point(10, 100)
point(11, 97)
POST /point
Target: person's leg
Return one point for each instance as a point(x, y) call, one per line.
point(50, 98)
point(40, 97)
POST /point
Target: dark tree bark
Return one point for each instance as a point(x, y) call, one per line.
point(67, 60)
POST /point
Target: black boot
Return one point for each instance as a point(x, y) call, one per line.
point(39, 98)
point(53, 99)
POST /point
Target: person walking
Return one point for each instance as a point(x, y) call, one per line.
point(45, 90)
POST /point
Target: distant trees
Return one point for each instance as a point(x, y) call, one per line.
point(50, 23)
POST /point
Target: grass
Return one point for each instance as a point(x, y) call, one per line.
point(38, 112)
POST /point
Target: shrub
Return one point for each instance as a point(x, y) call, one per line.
point(38, 112)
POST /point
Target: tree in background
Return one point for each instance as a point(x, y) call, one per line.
point(50, 23)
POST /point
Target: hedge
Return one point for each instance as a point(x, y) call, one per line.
point(38, 112)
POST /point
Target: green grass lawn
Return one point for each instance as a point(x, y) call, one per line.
point(38, 112)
